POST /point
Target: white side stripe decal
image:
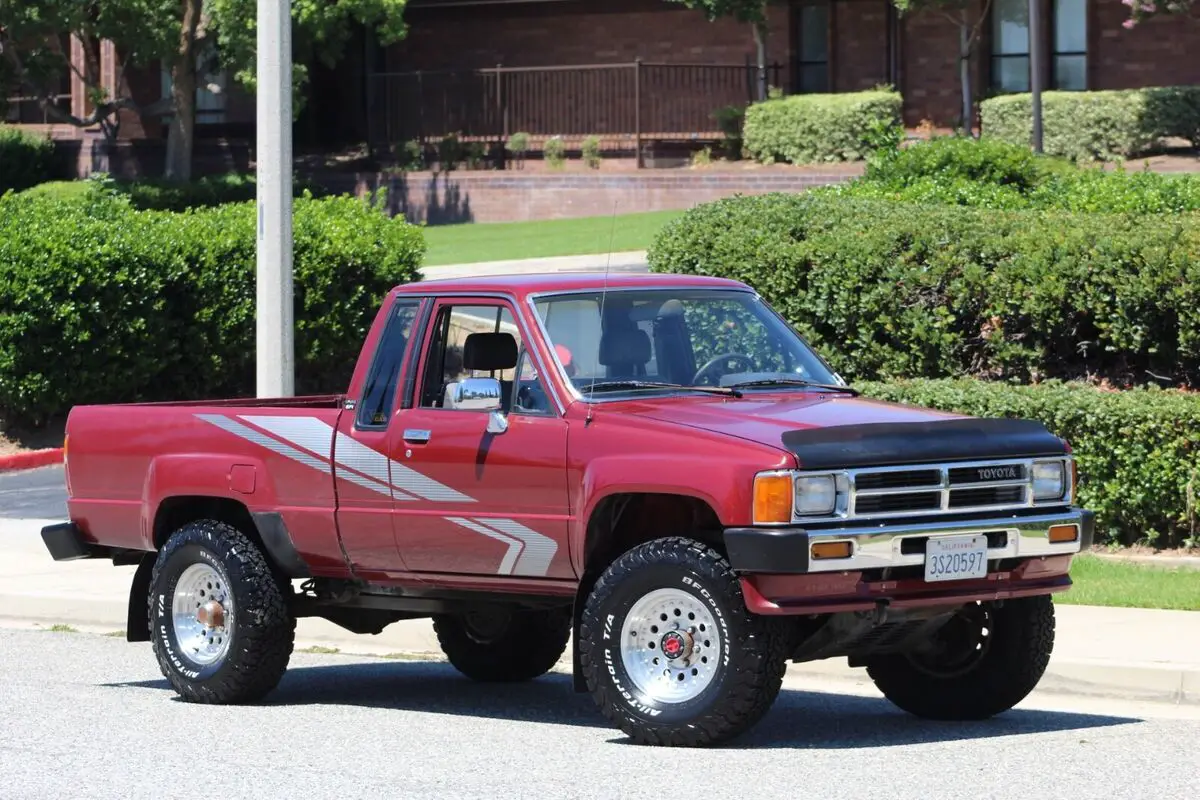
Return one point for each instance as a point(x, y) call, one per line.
point(529, 552)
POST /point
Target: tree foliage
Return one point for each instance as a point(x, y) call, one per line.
point(1140, 10)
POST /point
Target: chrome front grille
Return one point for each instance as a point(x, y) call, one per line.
point(937, 489)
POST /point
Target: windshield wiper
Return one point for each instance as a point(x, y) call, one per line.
point(795, 382)
point(728, 391)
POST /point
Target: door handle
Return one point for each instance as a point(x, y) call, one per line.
point(415, 436)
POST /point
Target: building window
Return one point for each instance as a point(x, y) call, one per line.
point(212, 85)
point(1070, 44)
point(811, 20)
point(1067, 45)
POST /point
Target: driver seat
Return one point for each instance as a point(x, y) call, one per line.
point(625, 352)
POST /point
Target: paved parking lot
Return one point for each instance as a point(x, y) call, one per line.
point(83, 715)
point(33, 494)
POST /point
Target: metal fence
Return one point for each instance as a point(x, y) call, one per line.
point(637, 100)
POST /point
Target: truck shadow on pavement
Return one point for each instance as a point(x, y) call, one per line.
point(799, 719)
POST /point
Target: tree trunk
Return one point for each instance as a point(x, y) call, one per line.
point(182, 131)
point(964, 67)
point(760, 46)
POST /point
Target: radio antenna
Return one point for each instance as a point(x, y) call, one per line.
point(603, 296)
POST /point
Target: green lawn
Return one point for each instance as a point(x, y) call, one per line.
point(1103, 582)
point(501, 241)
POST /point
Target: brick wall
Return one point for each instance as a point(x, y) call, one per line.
point(860, 52)
point(576, 32)
point(508, 197)
point(1158, 52)
point(930, 72)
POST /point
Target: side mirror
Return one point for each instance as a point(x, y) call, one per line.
point(477, 394)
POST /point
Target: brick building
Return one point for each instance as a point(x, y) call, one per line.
point(578, 67)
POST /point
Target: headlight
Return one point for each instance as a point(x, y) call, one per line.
point(1049, 480)
point(815, 494)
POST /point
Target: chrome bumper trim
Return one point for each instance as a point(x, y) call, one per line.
point(879, 546)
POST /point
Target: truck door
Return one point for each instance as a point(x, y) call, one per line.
point(470, 502)
point(364, 476)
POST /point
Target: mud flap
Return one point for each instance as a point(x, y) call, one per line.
point(137, 624)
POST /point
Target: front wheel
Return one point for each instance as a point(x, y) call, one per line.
point(983, 661)
point(219, 624)
point(670, 653)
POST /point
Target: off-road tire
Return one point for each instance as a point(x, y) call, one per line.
point(751, 664)
point(263, 631)
point(524, 647)
point(1022, 638)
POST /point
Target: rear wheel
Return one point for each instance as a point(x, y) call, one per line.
point(670, 653)
point(984, 661)
point(219, 624)
point(504, 645)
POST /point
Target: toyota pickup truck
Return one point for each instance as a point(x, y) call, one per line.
point(654, 472)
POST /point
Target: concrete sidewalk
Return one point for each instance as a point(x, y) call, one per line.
point(631, 261)
point(1111, 652)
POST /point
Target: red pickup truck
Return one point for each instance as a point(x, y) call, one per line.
point(654, 469)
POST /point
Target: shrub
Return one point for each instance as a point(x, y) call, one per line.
point(25, 160)
point(450, 152)
point(812, 128)
point(209, 191)
point(590, 150)
point(554, 152)
point(518, 143)
point(1096, 125)
point(889, 289)
point(993, 174)
point(1138, 451)
point(105, 303)
point(729, 121)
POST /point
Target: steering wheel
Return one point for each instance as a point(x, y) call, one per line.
point(743, 360)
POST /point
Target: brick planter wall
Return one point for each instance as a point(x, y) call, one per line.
point(454, 197)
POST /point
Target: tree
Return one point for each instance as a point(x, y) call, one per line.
point(35, 51)
point(184, 36)
point(1140, 10)
point(958, 12)
point(753, 12)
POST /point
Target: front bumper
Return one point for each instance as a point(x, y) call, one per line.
point(886, 546)
point(885, 568)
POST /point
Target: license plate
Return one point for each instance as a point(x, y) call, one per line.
point(956, 558)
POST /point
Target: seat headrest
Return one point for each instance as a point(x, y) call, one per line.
point(490, 351)
point(624, 346)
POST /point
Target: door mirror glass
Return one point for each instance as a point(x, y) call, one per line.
point(475, 394)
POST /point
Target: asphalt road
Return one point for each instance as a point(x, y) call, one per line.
point(86, 716)
point(33, 494)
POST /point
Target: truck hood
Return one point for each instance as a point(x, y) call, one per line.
point(828, 431)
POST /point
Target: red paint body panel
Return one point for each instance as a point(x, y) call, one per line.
point(466, 509)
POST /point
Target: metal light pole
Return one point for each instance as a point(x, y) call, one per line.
point(1035, 70)
point(275, 351)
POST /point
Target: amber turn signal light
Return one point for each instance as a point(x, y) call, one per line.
point(1060, 534)
point(772, 499)
point(827, 550)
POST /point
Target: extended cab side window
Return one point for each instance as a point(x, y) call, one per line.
point(379, 394)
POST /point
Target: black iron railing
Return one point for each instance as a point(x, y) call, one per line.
point(636, 101)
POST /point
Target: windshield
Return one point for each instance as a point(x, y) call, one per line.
point(652, 340)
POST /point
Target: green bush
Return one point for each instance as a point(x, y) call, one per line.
point(25, 160)
point(989, 173)
point(105, 303)
point(1096, 125)
point(1138, 451)
point(811, 128)
point(207, 192)
point(888, 289)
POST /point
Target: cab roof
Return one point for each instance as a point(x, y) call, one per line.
point(538, 283)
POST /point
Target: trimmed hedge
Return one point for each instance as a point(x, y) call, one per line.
point(25, 160)
point(1138, 451)
point(888, 289)
point(1096, 125)
point(104, 303)
point(988, 173)
point(811, 128)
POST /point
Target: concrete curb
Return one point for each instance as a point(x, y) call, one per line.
point(414, 640)
point(31, 459)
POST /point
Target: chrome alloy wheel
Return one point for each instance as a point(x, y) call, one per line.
point(202, 614)
point(670, 646)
